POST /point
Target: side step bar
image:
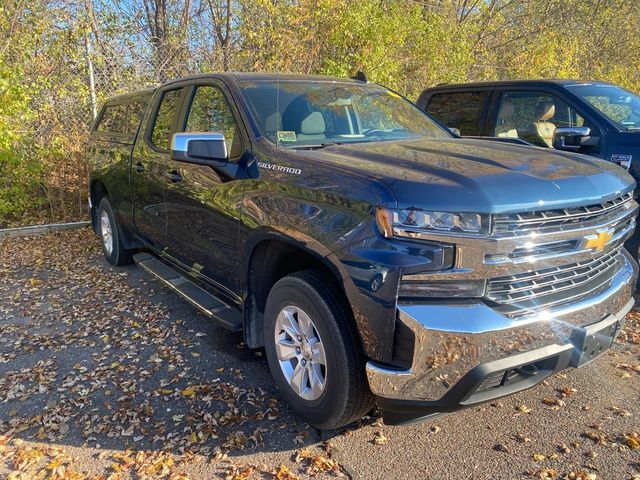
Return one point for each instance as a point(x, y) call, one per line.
point(228, 317)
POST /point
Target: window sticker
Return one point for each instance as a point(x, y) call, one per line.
point(622, 159)
point(286, 136)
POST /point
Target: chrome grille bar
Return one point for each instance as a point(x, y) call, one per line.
point(532, 291)
point(543, 220)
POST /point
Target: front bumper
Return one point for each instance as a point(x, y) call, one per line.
point(467, 353)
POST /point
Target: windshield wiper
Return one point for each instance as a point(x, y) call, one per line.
point(313, 147)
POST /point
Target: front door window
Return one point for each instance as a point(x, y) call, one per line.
point(210, 112)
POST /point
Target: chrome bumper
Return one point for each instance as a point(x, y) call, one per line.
point(454, 339)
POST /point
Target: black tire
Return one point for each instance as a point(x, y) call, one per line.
point(118, 254)
point(346, 396)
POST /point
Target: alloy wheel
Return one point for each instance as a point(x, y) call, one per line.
point(300, 353)
point(106, 232)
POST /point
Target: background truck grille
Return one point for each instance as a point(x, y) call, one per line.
point(545, 220)
point(529, 292)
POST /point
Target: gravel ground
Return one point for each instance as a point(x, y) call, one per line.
point(105, 374)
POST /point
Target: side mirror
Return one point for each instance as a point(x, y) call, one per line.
point(570, 138)
point(200, 148)
point(455, 131)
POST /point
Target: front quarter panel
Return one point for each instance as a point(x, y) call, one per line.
point(323, 210)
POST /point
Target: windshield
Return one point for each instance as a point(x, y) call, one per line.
point(305, 113)
point(617, 104)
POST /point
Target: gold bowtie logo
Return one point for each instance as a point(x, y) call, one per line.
point(598, 241)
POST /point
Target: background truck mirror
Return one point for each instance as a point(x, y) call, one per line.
point(570, 138)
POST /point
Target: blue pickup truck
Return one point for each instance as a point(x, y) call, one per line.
point(590, 117)
point(375, 257)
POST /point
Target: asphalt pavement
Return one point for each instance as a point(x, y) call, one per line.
point(106, 374)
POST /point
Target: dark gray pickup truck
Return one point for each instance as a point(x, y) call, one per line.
point(374, 256)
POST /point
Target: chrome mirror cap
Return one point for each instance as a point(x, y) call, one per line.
point(198, 147)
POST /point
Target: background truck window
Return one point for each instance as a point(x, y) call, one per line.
point(165, 119)
point(534, 116)
point(461, 110)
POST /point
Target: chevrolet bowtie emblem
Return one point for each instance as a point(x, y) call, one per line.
point(598, 241)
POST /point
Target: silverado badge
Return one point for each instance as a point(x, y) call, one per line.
point(598, 241)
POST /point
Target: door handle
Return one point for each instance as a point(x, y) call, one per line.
point(138, 167)
point(173, 176)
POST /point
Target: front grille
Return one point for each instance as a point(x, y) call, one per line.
point(557, 220)
point(530, 292)
point(524, 253)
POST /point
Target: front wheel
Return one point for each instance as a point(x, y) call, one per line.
point(313, 352)
point(112, 246)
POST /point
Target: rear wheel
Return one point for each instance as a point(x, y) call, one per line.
point(313, 352)
point(112, 246)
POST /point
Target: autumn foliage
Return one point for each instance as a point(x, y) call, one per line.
point(47, 49)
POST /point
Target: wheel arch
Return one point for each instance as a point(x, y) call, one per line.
point(273, 256)
point(97, 191)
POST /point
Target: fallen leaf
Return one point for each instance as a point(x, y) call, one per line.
point(380, 439)
point(523, 409)
point(547, 474)
point(581, 475)
point(596, 437)
point(553, 402)
point(501, 447)
point(632, 439)
point(302, 454)
point(188, 392)
point(567, 391)
point(283, 473)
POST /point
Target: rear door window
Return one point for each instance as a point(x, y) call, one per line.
point(111, 119)
point(165, 121)
point(461, 110)
point(121, 118)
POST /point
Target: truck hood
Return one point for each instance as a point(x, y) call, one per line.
point(479, 175)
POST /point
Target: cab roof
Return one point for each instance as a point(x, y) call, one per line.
point(502, 83)
point(266, 76)
point(125, 97)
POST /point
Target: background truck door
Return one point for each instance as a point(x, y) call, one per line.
point(533, 115)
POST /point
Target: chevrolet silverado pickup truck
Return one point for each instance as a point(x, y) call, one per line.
point(583, 116)
point(377, 258)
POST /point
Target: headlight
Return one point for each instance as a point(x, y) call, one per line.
point(411, 223)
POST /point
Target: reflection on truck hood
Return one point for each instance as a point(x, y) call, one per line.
point(480, 175)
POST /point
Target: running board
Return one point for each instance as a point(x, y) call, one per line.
point(228, 317)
